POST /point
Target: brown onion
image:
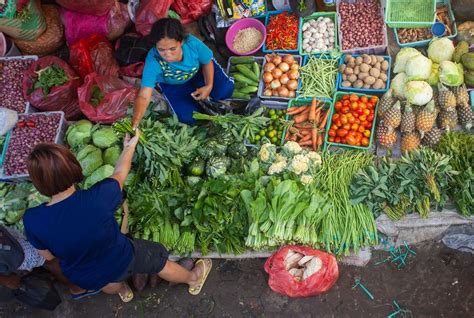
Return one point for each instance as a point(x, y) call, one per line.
point(267, 77)
point(284, 67)
point(292, 85)
point(283, 91)
point(288, 58)
point(276, 60)
point(292, 94)
point(275, 93)
point(275, 84)
point(276, 73)
point(293, 74)
point(269, 67)
point(284, 79)
point(267, 92)
point(294, 66)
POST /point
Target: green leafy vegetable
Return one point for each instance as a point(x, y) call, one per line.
point(96, 96)
point(49, 77)
point(99, 174)
point(79, 133)
point(90, 159)
point(111, 155)
point(104, 137)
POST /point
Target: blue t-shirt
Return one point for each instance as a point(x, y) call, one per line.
point(82, 232)
point(157, 70)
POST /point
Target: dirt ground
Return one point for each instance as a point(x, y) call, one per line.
point(438, 282)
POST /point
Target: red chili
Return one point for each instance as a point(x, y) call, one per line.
point(21, 124)
point(282, 32)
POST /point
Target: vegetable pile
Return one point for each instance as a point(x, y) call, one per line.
point(49, 77)
point(30, 130)
point(282, 32)
point(274, 130)
point(11, 81)
point(318, 77)
point(365, 71)
point(319, 35)
point(301, 266)
point(280, 75)
point(247, 40)
point(246, 72)
point(96, 96)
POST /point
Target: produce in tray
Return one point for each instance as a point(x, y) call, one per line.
point(30, 130)
point(318, 77)
point(319, 35)
point(274, 130)
point(280, 75)
point(11, 83)
point(282, 32)
point(467, 61)
point(246, 73)
point(247, 39)
point(365, 72)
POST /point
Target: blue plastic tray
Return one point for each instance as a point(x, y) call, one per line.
point(264, 48)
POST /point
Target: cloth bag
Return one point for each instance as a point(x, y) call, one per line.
point(29, 28)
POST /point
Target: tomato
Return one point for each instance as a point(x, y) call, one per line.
point(364, 123)
point(364, 99)
point(331, 139)
point(355, 114)
point(358, 137)
point(365, 142)
point(338, 140)
point(335, 117)
point(332, 133)
point(345, 109)
point(344, 119)
point(346, 126)
point(363, 118)
point(354, 105)
point(366, 112)
point(355, 127)
point(352, 120)
point(334, 127)
point(361, 129)
point(367, 133)
point(360, 111)
point(369, 125)
point(374, 100)
point(358, 121)
point(370, 117)
point(338, 123)
point(341, 132)
point(362, 105)
point(370, 105)
point(354, 98)
point(344, 97)
point(351, 140)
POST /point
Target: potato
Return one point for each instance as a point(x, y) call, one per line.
point(346, 84)
point(363, 75)
point(380, 59)
point(384, 65)
point(377, 66)
point(358, 84)
point(357, 70)
point(374, 72)
point(351, 65)
point(364, 68)
point(349, 71)
point(342, 68)
point(352, 78)
point(369, 80)
point(379, 84)
point(373, 59)
point(359, 60)
point(351, 60)
point(366, 86)
point(344, 77)
point(347, 58)
point(383, 76)
point(366, 59)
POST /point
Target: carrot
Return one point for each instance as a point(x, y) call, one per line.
point(300, 118)
point(295, 110)
point(324, 120)
point(305, 132)
point(305, 138)
point(320, 141)
point(318, 115)
point(305, 143)
point(292, 138)
point(312, 110)
point(303, 126)
point(314, 138)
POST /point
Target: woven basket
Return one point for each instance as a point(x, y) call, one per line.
point(51, 40)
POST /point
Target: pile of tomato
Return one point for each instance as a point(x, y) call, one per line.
point(352, 120)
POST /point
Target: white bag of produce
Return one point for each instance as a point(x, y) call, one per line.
point(8, 119)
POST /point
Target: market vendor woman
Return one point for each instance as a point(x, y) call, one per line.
point(184, 69)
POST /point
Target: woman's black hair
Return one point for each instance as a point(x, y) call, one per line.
point(167, 28)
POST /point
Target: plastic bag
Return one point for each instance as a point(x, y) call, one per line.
point(92, 7)
point(62, 97)
point(25, 29)
point(118, 20)
point(150, 11)
point(116, 96)
point(94, 54)
point(8, 119)
point(37, 291)
point(131, 48)
point(461, 242)
point(133, 70)
point(308, 7)
point(281, 281)
point(190, 11)
point(81, 26)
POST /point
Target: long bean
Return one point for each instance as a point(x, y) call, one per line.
point(318, 76)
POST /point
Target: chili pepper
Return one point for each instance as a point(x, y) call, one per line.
point(30, 124)
point(282, 32)
point(21, 124)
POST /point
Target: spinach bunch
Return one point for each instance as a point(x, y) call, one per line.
point(49, 77)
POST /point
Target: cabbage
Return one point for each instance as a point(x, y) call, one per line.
point(418, 92)
point(90, 159)
point(402, 57)
point(418, 68)
point(104, 137)
point(451, 74)
point(99, 174)
point(111, 155)
point(433, 80)
point(398, 85)
point(79, 133)
point(441, 49)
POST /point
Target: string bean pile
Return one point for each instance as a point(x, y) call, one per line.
point(318, 76)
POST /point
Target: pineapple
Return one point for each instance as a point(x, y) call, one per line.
point(465, 116)
point(426, 118)
point(410, 141)
point(386, 102)
point(393, 116)
point(447, 120)
point(432, 137)
point(462, 97)
point(386, 136)
point(446, 98)
point(408, 119)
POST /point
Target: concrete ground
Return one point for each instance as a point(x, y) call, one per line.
point(438, 282)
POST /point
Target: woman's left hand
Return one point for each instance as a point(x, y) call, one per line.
point(202, 92)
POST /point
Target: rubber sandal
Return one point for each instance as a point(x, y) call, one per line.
point(127, 298)
point(207, 265)
point(85, 294)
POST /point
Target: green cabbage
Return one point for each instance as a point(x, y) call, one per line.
point(90, 159)
point(99, 174)
point(418, 68)
point(440, 50)
point(79, 133)
point(451, 74)
point(104, 137)
point(402, 57)
point(111, 155)
point(398, 85)
point(418, 92)
point(433, 80)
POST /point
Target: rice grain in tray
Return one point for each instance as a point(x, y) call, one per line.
point(247, 40)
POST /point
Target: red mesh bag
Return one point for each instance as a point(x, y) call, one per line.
point(150, 11)
point(190, 11)
point(92, 7)
point(117, 95)
point(284, 276)
point(62, 97)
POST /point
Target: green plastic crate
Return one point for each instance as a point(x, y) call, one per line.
point(314, 16)
point(410, 13)
point(337, 97)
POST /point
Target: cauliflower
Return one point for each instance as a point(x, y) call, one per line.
point(292, 147)
point(306, 179)
point(300, 164)
point(267, 152)
point(280, 157)
point(314, 157)
point(277, 167)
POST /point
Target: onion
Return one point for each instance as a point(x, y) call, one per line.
point(284, 79)
point(275, 84)
point(267, 92)
point(276, 73)
point(292, 85)
point(288, 58)
point(284, 67)
point(294, 66)
point(269, 67)
point(276, 60)
point(292, 94)
point(293, 74)
point(267, 77)
point(275, 93)
point(283, 91)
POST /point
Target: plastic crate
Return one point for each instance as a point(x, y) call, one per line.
point(332, 16)
point(387, 85)
point(4, 148)
point(378, 49)
point(58, 140)
point(336, 98)
point(305, 61)
point(28, 107)
point(264, 48)
point(427, 41)
point(258, 59)
point(410, 13)
point(261, 86)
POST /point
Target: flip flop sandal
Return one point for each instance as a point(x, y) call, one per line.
point(85, 294)
point(127, 298)
point(207, 265)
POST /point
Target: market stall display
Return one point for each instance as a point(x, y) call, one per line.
point(318, 76)
point(319, 33)
point(364, 72)
point(246, 73)
point(282, 32)
point(280, 76)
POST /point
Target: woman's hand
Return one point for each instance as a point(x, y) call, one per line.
point(131, 142)
point(202, 92)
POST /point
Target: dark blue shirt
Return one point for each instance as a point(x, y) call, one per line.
point(82, 232)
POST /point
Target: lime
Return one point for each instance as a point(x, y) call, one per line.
point(262, 132)
point(270, 128)
point(271, 112)
point(257, 138)
point(271, 134)
point(274, 140)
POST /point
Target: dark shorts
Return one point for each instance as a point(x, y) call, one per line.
point(149, 258)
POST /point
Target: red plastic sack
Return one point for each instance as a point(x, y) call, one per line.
point(62, 97)
point(133, 70)
point(92, 7)
point(117, 96)
point(190, 11)
point(150, 11)
point(118, 20)
point(94, 54)
point(282, 282)
point(79, 26)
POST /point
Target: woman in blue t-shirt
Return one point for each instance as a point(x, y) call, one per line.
point(184, 68)
point(79, 228)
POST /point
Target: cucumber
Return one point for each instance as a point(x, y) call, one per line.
point(256, 69)
point(247, 90)
point(233, 68)
point(242, 60)
point(247, 72)
point(238, 85)
point(243, 79)
point(240, 95)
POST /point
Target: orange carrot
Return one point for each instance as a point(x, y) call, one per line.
point(300, 118)
point(314, 138)
point(303, 126)
point(324, 120)
point(305, 132)
point(312, 111)
point(305, 138)
point(305, 143)
point(295, 110)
